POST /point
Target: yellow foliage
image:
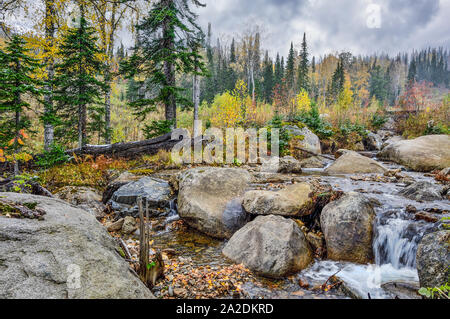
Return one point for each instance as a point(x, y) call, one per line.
point(302, 101)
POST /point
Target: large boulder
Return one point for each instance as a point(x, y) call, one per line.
point(305, 139)
point(423, 154)
point(293, 200)
point(347, 225)
point(433, 259)
point(69, 254)
point(423, 191)
point(153, 191)
point(86, 198)
point(353, 163)
point(209, 199)
point(271, 246)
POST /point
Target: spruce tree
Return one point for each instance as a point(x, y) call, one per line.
point(77, 91)
point(17, 79)
point(268, 78)
point(290, 68)
point(168, 38)
point(278, 71)
point(303, 76)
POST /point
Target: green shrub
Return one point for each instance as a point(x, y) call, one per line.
point(312, 119)
point(377, 121)
point(56, 155)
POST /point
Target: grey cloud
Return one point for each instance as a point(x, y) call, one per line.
point(335, 25)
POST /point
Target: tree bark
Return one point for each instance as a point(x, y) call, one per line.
point(196, 98)
point(49, 62)
point(169, 70)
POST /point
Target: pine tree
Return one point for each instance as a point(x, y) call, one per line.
point(16, 80)
point(278, 71)
point(268, 78)
point(290, 68)
point(337, 82)
point(210, 81)
point(303, 76)
point(168, 38)
point(412, 72)
point(77, 91)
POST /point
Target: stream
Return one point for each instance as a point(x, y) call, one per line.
point(396, 237)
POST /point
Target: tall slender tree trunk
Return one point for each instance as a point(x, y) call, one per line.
point(108, 77)
point(49, 62)
point(196, 98)
point(169, 70)
point(108, 107)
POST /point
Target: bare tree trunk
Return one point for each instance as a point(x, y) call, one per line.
point(49, 62)
point(196, 98)
point(17, 147)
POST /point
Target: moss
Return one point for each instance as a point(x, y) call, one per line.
point(142, 172)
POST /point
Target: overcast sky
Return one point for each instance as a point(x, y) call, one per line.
point(359, 26)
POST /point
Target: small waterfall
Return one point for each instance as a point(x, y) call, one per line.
point(397, 236)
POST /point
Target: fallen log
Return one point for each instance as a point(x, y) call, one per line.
point(128, 150)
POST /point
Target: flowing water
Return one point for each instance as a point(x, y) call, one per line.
point(395, 243)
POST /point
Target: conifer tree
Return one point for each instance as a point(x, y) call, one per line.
point(16, 80)
point(278, 71)
point(290, 68)
point(168, 38)
point(268, 78)
point(77, 91)
point(303, 76)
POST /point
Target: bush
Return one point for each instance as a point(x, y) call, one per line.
point(56, 155)
point(315, 123)
point(377, 121)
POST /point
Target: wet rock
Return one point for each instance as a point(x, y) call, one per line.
point(305, 139)
point(372, 142)
point(313, 162)
point(347, 225)
point(153, 191)
point(402, 290)
point(129, 225)
point(423, 154)
point(115, 184)
point(317, 243)
point(351, 162)
point(67, 255)
point(423, 191)
point(429, 218)
point(433, 259)
point(411, 209)
point(115, 226)
point(284, 165)
point(444, 175)
point(271, 246)
point(208, 199)
point(83, 197)
point(294, 200)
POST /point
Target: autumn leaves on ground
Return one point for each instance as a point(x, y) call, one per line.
point(68, 81)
